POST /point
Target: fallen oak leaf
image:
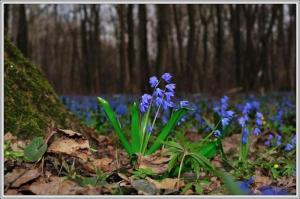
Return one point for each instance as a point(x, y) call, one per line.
point(75, 148)
point(60, 186)
point(166, 183)
point(13, 176)
point(26, 177)
point(157, 162)
point(69, 132)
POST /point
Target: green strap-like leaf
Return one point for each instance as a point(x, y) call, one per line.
point(176, 116)
point(111, 116)
point(144, 123)
point(135, 134)
point(209, 150)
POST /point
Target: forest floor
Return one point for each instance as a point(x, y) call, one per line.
point(71, 165)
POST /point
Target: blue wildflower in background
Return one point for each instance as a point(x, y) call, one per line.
point(223, 112)
point(217, 133)
point(291, 145)
point(245, 133)
point(184, 103)
point(153, 81)
point(145, 103)
point(167, 77)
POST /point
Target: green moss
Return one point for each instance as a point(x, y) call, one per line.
point(30, 103)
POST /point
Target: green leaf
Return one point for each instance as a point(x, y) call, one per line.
point(173, 161)
point(175, 117)
point(174, 145)
point(195, 167)
point(111, 116)
point(229, 183)
point(144, 123)
point(135, 134)
point(208, 150)
point(187, 187)
point(35, 150)
point(203, 161)
point(198, 188)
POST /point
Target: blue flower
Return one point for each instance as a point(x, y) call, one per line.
point(145, 103)
point(278, 140)
point(170, 87)
point(149, 129)
point(291, 145)
point(167, 104)
point(169, 95)
point(121, 109)
point(153, 81)
point(158, 101)
point(217, 133)
point(270, 190)
point(184, 103)
point(244, 185)
point(167, 77)
point(158, 92)
point(242, 122)
point(245, 133)
point(256, 131)
point(229, 114)
point(225, 121)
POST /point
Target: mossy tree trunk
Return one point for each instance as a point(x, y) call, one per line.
point(30, 103)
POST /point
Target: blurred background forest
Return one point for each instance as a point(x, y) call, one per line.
point(92, 49)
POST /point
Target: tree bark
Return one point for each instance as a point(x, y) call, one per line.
point(162, 38)
point(131, 50)
point(6, 19)
point(22, 35)
point(143, 47)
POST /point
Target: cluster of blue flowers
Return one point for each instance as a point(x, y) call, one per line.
point(160, 97)
point(250, 108)
point(273, 141)
point(245, 186)
point(291, 145)
point(224, 113)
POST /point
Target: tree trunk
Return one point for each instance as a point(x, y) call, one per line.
point(143, 47)
point(162, 38)
point(22, 35)
point(124, 80)
point(191, 54)
point(177, 22)
point(219, 47)
point(6, 19)
point(131, 50)
point(31, 105)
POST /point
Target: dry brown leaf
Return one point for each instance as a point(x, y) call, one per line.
point(76, 148)
point(103, 164)
point(156, 162)
point(69, 132)
point(261, 180)
point(12, 176)
point(124, 177)
point(26, 177)
point(59, 186)
point(12, 192)
point(167, 183)
point(229, 143)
